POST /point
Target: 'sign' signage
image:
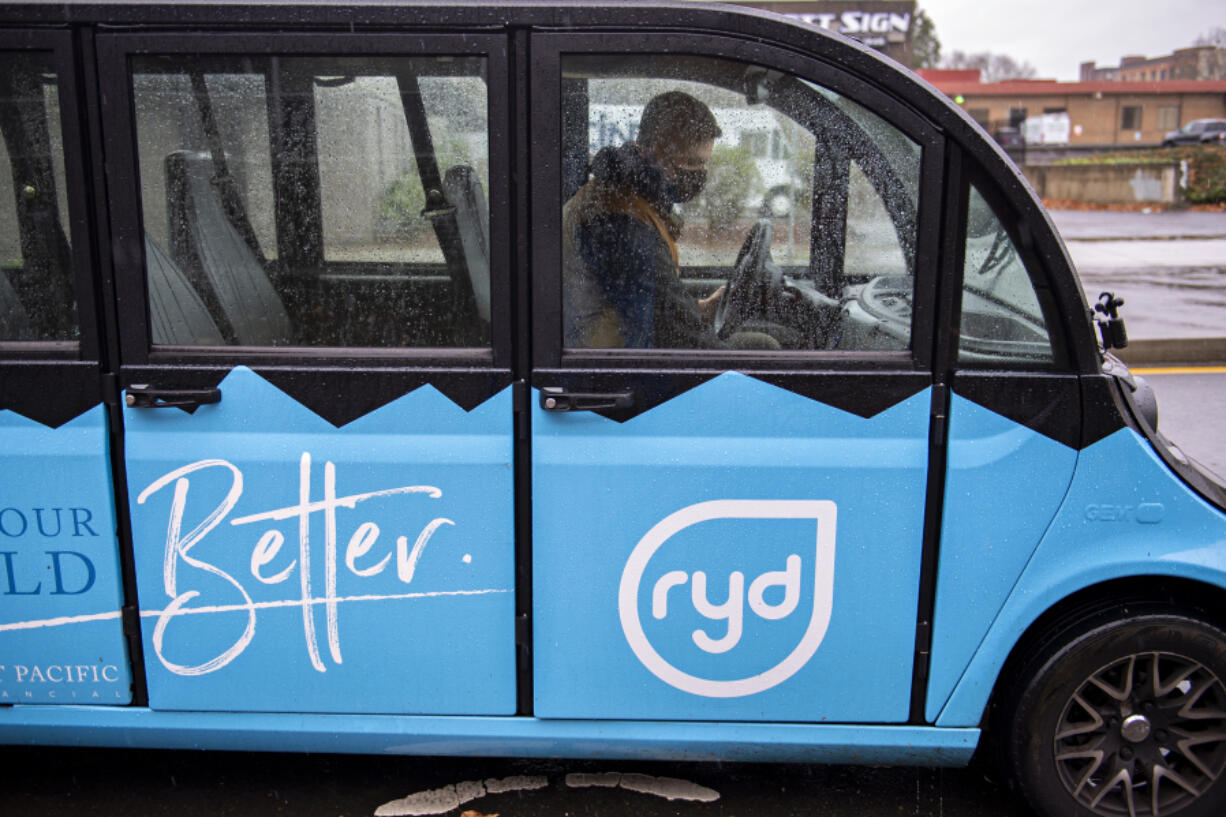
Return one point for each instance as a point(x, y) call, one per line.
point(870, 28)
point(882, 24)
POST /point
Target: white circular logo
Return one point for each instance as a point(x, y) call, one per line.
point(824, 514)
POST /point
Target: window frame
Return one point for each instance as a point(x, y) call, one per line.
point(115, 55)
point(1168, 117)
point(548, 50)
point(1049, 298)
point(1133, 113)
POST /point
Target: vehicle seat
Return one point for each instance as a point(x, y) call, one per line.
point(177, 316)
point(14, 320)
point(464, 192)
point(226, 273)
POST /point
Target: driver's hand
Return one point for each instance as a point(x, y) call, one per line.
point(708, 305)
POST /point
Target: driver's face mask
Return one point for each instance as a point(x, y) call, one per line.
point(688, 183)
point(687, 169)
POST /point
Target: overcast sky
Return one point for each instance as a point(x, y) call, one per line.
point(1056, 36)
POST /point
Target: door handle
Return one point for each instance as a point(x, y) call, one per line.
point(557, 399)
point(142, 395)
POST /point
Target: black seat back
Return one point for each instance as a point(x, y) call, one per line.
point(177, 316)
point(224, 270)
point(464, 192)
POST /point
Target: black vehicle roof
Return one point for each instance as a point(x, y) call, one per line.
point(448, 14)
point(870, 65)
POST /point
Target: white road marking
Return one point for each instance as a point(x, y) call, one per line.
point(452, 796)
point(519, 782)
point(670, 788)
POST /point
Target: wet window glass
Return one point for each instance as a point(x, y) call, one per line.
point(714, 204)
point(37, 289)
point(311, 201)
point(1002, 320)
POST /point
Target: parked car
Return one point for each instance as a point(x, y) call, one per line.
point(1198, 130)
point(1012, 141)
point(300, 451)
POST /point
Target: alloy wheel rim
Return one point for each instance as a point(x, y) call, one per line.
point(1144, 736)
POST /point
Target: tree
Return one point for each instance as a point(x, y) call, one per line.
point(925, 47)
point(400, 211)
point(1215, 37)
point(733, 178)
point(993, 67)
point(1213, 65)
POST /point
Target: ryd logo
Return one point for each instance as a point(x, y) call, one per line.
point(674, 599)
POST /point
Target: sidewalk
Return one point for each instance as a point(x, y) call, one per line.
point(1170, 268)
point(1102, 225)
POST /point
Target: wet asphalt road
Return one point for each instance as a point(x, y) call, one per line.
point(62, 782)
point(1170, 267)
point(1192, 412)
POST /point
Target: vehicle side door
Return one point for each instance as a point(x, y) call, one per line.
point(1015, 425)
point(317, 403)
point(732, 528)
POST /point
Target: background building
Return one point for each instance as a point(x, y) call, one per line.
point(1100, 113)
point(1133, 104)
point(1197, 62)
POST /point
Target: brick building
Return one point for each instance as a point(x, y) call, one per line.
point(1197, 62)
point(1101, 113)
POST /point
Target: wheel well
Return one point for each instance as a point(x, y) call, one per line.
point(1147, 594)
point(1206, 601)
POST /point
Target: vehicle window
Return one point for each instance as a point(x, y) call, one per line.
point(37, 292)
point(314, 201)
point(683, 175)
point(369, 110)
point(1002, 320)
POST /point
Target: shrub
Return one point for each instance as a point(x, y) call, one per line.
point(403, 200)
point(732, 179)
point(1207, 175)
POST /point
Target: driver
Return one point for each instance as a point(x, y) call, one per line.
point(622, 279)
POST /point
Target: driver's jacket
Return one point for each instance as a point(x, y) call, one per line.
point(621, 281)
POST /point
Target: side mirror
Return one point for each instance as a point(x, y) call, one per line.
point(1110, 324)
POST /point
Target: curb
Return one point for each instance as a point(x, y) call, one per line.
point(1167, 351)
point(1068, 239)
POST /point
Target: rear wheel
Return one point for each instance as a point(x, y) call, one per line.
point(1126, 717)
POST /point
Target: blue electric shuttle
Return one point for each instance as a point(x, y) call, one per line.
point(302, 450)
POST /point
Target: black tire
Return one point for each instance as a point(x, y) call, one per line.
point(1123, 713)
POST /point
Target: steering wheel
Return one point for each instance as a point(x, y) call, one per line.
point(888, 299)
point(743, 293)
